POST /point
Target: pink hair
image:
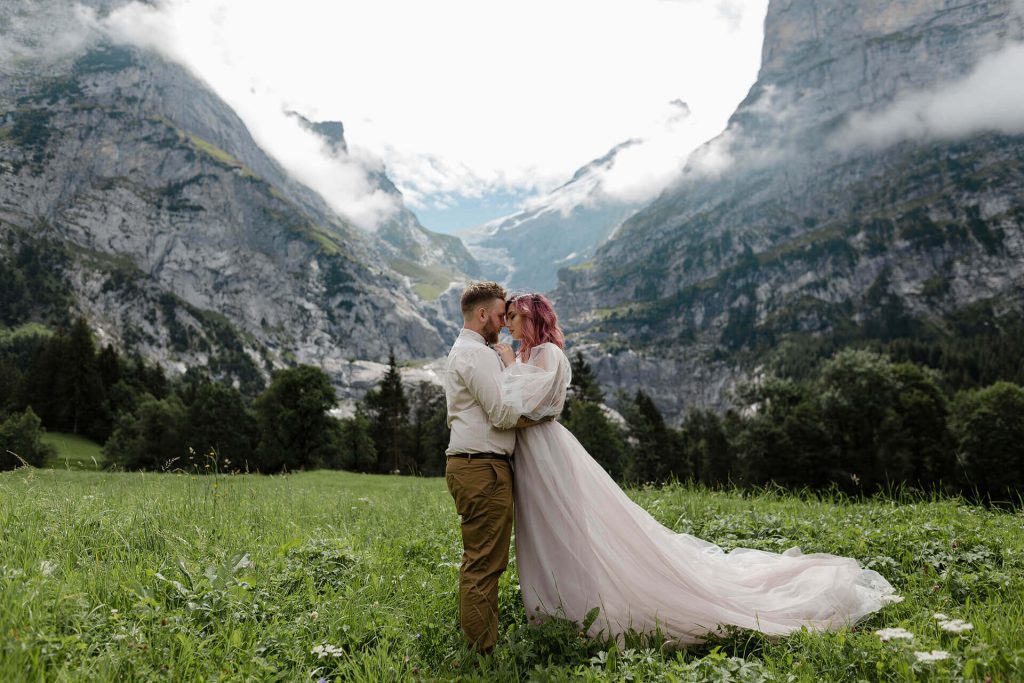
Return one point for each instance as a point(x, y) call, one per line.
point(540, 324)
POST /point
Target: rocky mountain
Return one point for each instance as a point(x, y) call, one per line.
point(829, 212)
point(561, 229)
point(430, 260)
point(178, 237)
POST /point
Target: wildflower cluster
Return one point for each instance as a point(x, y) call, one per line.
point(887, 634)
point(325, 650)
point(933, 656)
point(951, 625)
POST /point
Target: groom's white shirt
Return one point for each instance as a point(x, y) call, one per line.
point(480, 423)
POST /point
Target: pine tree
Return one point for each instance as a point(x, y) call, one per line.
point(80, 384)
point(40, 386)
point(583, 386)
point(109, 366)
point(706, 445)
point(651, 448)
point(356, 451)
point(597, 433)
point(388, 411)
point(428, 429)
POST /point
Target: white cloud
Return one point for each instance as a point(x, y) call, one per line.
point(191, 33)
point(464, 100)
point(990, 98)
point(468, 99)
point(642, 170)
point(31, 31)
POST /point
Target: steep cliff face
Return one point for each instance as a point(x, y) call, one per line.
point(564, 228)
point(430, 261)
point(792, 225)
point(186, 241)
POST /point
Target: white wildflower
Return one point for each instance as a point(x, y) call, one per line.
point(940, 616)
point(113, 612)
point(322, 651)
point(47, 568)
point(887, 634)
point(956, 626)
point(933, 656)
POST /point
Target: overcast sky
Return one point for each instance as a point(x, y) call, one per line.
point(472, 106)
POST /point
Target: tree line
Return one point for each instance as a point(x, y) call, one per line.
point(862, 423)
point(63, 382)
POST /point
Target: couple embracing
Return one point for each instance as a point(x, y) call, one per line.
point(581, 542)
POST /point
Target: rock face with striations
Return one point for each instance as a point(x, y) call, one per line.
point(800, 222)
point(182, 239)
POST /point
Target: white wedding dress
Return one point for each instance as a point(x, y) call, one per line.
point(582, 543)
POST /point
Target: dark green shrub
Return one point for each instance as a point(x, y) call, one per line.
point(21, 441)
point(988, 427)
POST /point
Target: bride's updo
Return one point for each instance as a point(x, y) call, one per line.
point(540, 324)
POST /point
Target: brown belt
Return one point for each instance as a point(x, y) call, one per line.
point(481, 456)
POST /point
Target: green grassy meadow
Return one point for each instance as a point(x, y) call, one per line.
point(74, 452)
point(176, 577)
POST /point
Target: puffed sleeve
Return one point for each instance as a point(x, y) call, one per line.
point(536, 389)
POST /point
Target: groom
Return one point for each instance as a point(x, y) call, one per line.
point(479, 455)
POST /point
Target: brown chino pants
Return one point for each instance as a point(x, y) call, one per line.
point(482, 490)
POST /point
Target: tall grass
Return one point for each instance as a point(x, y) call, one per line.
point(131, 576)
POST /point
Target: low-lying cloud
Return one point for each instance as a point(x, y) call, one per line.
point(638, 170)
point(33, 32)
point(342, 178)
point(989, 99)
point(507, 109)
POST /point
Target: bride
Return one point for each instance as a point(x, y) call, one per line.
point(582, 543)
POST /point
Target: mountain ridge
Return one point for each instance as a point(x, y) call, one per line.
point(187, 242)
point(526, 249)
point(775, 235)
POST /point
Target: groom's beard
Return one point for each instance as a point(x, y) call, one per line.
point(490, 334)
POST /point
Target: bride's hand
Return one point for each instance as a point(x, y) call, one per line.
point(505, 352)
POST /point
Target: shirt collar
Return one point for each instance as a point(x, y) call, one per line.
point(470, 335)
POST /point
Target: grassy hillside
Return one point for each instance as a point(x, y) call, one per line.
point(113, 576)
point(74, 452)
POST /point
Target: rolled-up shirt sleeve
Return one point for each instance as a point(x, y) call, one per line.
point(482, 377)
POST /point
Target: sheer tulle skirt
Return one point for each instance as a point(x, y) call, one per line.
point(582, 543)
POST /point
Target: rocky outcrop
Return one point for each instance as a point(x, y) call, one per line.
point(189, 243)
point(782, 229)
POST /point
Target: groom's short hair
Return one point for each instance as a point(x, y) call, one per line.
point(477, 293)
